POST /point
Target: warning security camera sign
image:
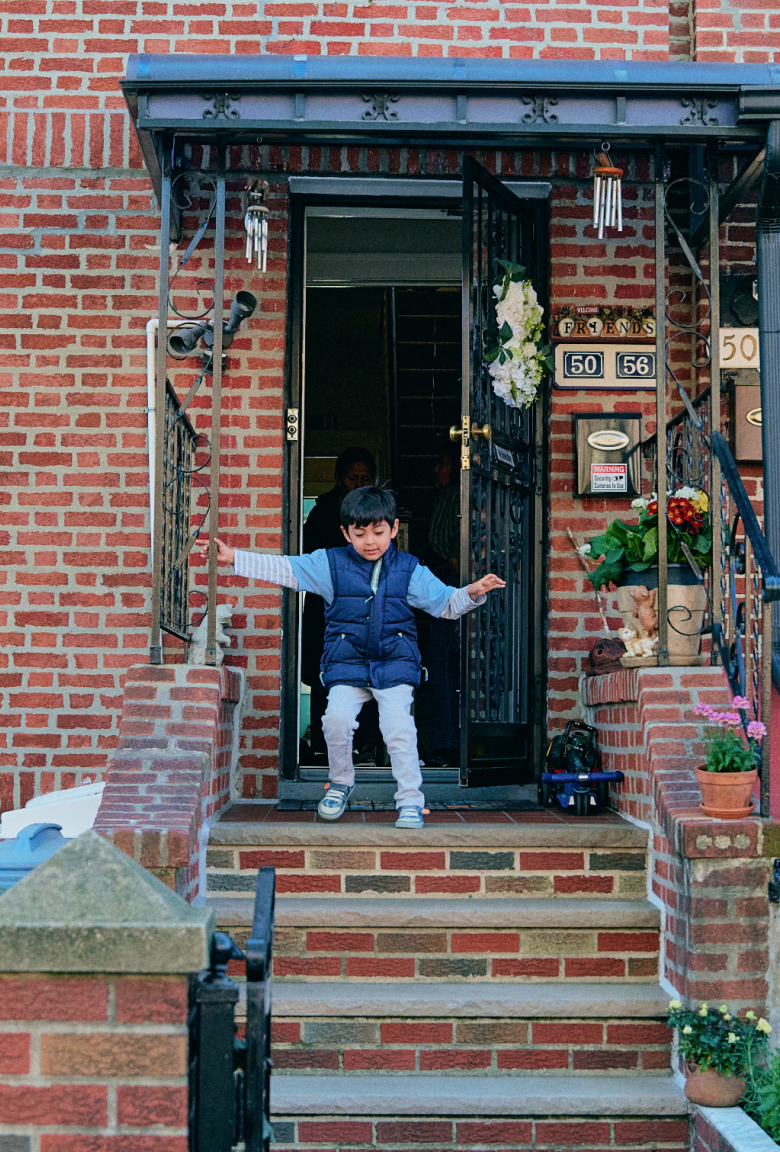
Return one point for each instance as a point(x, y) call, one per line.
point(609, 478)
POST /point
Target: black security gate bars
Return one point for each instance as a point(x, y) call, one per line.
point(180, 441)
point(229, 1076)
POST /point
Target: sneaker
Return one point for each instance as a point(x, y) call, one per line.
point(334, 803)
point(409, 816)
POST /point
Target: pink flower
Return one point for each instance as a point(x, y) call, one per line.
point(703, 709)
point(742, 703)
point(756, 730)
point(728, 719)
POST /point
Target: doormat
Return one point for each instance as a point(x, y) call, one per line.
point(431, 805)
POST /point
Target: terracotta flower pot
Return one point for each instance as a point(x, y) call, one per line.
point(726, 795)
point(711, 1089)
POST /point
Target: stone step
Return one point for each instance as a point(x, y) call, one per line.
point(400, 912)
point(462, 1113)
point(465, 1001)
point(464, 939)
point(544, 1028)
point(489, 860)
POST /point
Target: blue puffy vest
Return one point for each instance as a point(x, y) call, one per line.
point(370, 638)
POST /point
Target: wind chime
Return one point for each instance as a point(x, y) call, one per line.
point(607, 193)
point(256, 224)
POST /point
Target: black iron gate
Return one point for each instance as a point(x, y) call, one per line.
point(229, 1077)
point(501, 490)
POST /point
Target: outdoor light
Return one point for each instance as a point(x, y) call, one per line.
point(184, 340)
point(241, 309)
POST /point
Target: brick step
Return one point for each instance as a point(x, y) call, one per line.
point(580, 1028)
point(384, 939)
point(487, 1112)
point(479, 860)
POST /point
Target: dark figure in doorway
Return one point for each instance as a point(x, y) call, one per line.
point(355, 468)
point(443, 653)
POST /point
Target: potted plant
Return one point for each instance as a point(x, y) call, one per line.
point(728, 776)
point(628, 555)
point(718, 1049)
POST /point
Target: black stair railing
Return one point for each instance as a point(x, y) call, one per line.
point(229, 1077)
point(749, 584)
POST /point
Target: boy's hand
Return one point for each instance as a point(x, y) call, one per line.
point(485, 585)
point(225, 555)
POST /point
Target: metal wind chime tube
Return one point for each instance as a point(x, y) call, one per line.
point(607, 194)
point(256, 224)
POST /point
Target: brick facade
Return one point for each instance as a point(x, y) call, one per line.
point(79, 273)
point(94, 1062)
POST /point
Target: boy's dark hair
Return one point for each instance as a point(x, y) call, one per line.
point(365, 505)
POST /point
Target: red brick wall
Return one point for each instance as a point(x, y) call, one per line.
point(85, 1059)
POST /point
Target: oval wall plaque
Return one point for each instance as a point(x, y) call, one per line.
point(754, 417)
point(608, 440)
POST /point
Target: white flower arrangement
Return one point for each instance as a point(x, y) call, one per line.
point(517, 363)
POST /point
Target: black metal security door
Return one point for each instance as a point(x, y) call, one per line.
point(501, 478)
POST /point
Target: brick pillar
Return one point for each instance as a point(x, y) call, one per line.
point(170, 773)
point(93, 1032)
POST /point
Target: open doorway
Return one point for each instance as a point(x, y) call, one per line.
point(381, 389)
point(381, 369)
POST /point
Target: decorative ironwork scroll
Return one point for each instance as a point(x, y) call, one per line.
point(380, 106)
point(699, 112)
point(223, 106)
point(540, 110)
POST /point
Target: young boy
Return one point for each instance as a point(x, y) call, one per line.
point(369, 589)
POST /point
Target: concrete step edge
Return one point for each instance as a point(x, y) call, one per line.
point(486, 836)
point(483, 912)
point(517, 1096)
point(554, 1000)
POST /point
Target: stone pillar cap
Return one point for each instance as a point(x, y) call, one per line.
point(90, 908)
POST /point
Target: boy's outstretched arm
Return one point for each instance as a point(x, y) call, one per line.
point(485, 585)
point(432, 595)
point(309, 573)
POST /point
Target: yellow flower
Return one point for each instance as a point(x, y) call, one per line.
point(687, 1030)
point(703, 1010)
point(726, 1015)
point(750, 1014)
point(724, 1008)
point(732, 1038)
point(763, 1026)
point(701, 502)
point(674, 1005)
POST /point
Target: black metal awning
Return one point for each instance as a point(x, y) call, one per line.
point(452, 102)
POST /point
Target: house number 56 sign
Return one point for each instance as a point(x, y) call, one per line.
point(739, 348)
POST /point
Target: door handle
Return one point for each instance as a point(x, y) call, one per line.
point(455, 433)
point(485, 430)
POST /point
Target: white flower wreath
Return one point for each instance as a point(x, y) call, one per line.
point(517, 363)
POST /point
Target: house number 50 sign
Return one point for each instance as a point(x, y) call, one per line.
point(739, 348)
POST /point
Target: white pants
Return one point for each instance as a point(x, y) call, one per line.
point(398, 731)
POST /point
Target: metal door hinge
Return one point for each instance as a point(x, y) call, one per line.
point(465, 451)
point(292, 423)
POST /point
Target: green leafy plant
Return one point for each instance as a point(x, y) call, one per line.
point(714, 1038)
point(761, 1100)
point(732, 746)
point(635, 546)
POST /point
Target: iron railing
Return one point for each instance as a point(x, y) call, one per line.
point(179, 439)
point(229, 1097)
point(749, 583)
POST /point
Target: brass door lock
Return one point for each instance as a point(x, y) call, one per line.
point(485, 430)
